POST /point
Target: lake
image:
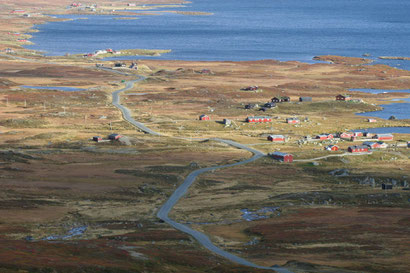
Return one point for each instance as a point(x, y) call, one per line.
point(401, 109)
point(245, 30)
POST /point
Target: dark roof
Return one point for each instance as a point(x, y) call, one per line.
point(359, 147)
point(279, 154)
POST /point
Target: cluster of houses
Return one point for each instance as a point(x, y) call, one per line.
point(99, 52)
point(358, 135)
point(80, 6)
point(110, 137)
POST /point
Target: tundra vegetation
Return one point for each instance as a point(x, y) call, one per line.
point(69, 204)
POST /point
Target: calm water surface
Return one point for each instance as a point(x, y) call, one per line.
point(401, 109)
point(246, 30)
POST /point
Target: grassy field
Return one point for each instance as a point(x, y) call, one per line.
point(325, 216)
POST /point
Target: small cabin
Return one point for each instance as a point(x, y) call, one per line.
point(371, 120)
point(275, 100)
point(205, 71)
point(386, 137)
point(284, 157)
point(259, 119)
point(305, 99)
point(114, 136)
point(276, 138)
point(357, 134)
point(269, 105)
point(343, 97)
point(204, 117)
point(324, 136)
point(387, 186)
point(333, 148)
point(284, 99)
point(358, 149)
point(250, 106)
point(251, 88)
point(375, 145)
point(97, 138)
point(292, 120)
point(345, 135)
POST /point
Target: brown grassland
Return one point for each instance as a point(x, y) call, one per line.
point(53, 178)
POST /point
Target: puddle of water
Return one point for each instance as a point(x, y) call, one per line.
point(73, 232)
point(262, 213)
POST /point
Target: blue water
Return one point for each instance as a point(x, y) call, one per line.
point(59, 88)
point(246, 30)
point(379, 91)
point(386, 130)
point(399, 110)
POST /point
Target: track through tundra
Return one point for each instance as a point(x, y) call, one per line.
point(189, 180)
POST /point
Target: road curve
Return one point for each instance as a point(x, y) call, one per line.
point(164, 211)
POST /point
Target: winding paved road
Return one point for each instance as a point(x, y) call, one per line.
point(183, 188)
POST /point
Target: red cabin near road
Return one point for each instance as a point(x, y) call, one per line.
point(284, 157)
point(358, 149)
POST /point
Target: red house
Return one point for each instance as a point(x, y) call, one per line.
point(114, 136)
point(343, 97)
point(324, 137)
point(292, 120)
point(371, 120)
point(276, 138)
point(333, 148)
point(345, 135)
point(203, 117)
point(284, 157)
point(357, 134)
point(97, 138)
point(375, 145)
point(358, 149)
point(259, 119)
point(385, 137)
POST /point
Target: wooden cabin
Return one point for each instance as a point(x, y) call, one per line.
point(284, 157)
point(276, 138)
point(259, 119)
point(204, 117)
point(358, 149)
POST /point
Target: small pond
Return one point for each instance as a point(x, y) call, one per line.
point(380, 91)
